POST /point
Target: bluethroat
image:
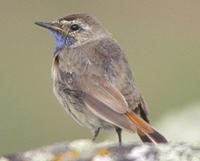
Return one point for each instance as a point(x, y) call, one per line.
point(93, 81)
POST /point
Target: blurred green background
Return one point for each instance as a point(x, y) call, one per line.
point(161, 40)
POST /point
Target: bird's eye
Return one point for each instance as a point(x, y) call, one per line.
point(75, 27)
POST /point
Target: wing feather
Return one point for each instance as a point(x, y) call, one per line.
point(110, 96)
point(106, 113)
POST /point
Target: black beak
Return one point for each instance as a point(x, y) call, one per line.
point(49, 25)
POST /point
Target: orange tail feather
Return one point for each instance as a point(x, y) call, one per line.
point(145, 131)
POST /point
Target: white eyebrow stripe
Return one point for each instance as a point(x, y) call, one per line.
point(64, 22)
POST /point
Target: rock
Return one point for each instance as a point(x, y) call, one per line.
point(84, 150)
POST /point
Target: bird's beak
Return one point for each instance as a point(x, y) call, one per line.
point(53, 26)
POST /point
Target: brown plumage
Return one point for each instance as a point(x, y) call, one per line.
point(93, 81)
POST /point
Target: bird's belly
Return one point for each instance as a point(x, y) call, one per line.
point(77, 109)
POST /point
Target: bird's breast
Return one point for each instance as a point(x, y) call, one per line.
point(69, 67)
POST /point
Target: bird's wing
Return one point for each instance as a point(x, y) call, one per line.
point(102, 93)
point(110, 70)
point(106, 102)
point(110, 96)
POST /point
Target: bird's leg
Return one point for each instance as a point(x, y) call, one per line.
point(96, 133)
point(119, 132)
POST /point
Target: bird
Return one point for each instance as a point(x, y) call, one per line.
point(93, 81)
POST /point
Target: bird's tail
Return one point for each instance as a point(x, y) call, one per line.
point(144, 130)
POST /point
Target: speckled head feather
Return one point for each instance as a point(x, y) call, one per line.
point(91, 20)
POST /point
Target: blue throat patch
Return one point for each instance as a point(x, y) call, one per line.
point(61, 40)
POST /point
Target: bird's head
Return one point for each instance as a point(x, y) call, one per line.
point(74, 30)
